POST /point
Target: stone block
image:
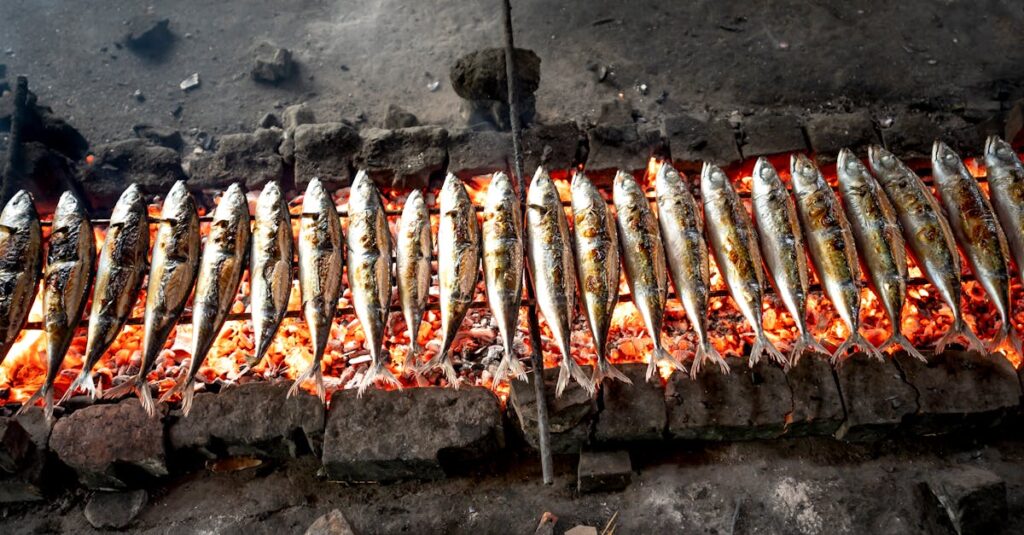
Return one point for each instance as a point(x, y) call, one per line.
point(132, 161)
point(964, 499)
point(817, 404)
point(472, 153)
point(325, 151)
point(555, 146)
point(693, 140)
point(405, 158)
point(632, 412)
point(603, 471)
point(875, 397)
point(251, 159)
point(768, 133)
point(569, 417)
point(828, 133)
point(618, 143)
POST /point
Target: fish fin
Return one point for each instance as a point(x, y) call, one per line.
point(83, 381)
point(661, 355)
point(411, 356)
point(188, 393)
point(442, 361)
point(854, 340)
point(48, 406)
point(185, 387)
point(604, 370)
point(707, 352)
point(802, 344)
point(33, 399)
point(312, 372)
point(509, 367)
point(899, 339)
point(957, 330)
point(379, 372)
point(762, 345)
point(146, 398)
point(568, 368)
point(121, 389)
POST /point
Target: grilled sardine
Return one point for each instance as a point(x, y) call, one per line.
point(21, 256)
point(270, 271)
point(415, 247)
point(503, 267)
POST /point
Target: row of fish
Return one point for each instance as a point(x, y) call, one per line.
point(884, 211)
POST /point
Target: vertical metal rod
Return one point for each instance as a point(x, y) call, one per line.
point(536, 357)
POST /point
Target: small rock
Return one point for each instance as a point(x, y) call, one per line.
point(603, 471)
point(397, 117)
point(480, 75)
point(139, 96)
point(148, 35)
point(433, 85)
point(296, 115)
point(114, 510)
point(132, 161)
point(165, 137)
point(272, 64)
point(970, 500)
point(333, 523)
point(252, 158)
point(190, 83)
point(325, 151)
point(582, 530)
point(270, 120)
point(546, 526)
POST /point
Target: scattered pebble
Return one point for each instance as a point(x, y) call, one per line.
point(434, 85)
point(642, 88)
point(189, 83)
point(139, 96)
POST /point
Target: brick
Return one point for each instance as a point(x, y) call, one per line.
point(472, 153)
point(325, 151)
point(771, 133)
point(552, 145)
point(603, 471)
point(875, 397)
point(692, 141)
point(828, 133)
point(632, 412)
point(569, 416)
point(404, 158)
point(817, 404)
point(617, 143)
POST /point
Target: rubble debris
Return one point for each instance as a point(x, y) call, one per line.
point(190, 83)
point(748, 403)
point(325, 151)
point(770, 133)
point(569, 416)
point(582, 530)
point(693, 140)
point(875, 397)
point(297, 114)
point(252, 158)
point(911, 135)
point(451, 428)
point(828, 133)
point(964, 499)
point(603, 471)
point(546, 526)
point(111, 445)
point(405, 158)
point(617, 143)
point(270, 120)
point(272, 64)
point(148, 35)
point(398, 117)
point(235, 422)
point(632, 412)
point(131, 161)
point(555, 146)
point(165, 137)
point(958, 390)
point(332, 523)
point(479, 78)
point(114, 510)
point(817, 403)
point(472, 153)
point(138, 95)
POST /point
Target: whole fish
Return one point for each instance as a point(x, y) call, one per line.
point(270, 271)
point(596, 245)
point(687, 253)
point(832, 249)
point(876, 231)
point(927, 234)
point(21, 253)
point(549, 251)
point(731, 236)
point(503, 267)
point(119, 275)
point(1006, 190)
point(458, 267)
point(321, 248)
point(220, 272)
point(975, 228)
point(70, 260)
point(369, 273)
point(415, 246)
point(172, 274)
point(782, 245)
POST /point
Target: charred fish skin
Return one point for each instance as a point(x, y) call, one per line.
point(415, 246)
point(503, 267)
point(782, 246)
point(552, 267)
point(369, 273)
point(458, 268)
point(732, 240)
point(21, 256)
point(927, 235)
point(223, 262)
point(70, 259)
point(321, 252)
point(271, 267)
point(1006, 190)
point(596, 247)
point(643, 257)
point(119, 274)
point(876, 232)
point(976, 230)
point(172, 274)
point(833, 251)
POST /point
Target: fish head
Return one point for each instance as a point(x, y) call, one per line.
point(806, 176)
point(883, 163)
point(315, 197)
point(69, 204)
point(500, 190)
point(541, 187)
point(453, 194)
point(129, 202)
point(1000, 153)
point(765, 178)
point(19, 207)
point(713, 181)
point(667, 181)
point(270, 198)
point(946, 164)
point(850, 171)
point(179, 203)
point(363, 191)
point(624, 187)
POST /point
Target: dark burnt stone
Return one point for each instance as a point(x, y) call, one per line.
point(745, 404)
point(26, 473)
point(912, 134)
point(875, 397)
point(406, 158)
point(249, 158)
point(45, 173)
point(398, 117)
point(416, 433)
point(111, 445)
point(271, 64)
point(603, 471)
point(569, 416)
point(472, 153)
point(770, 133)
point(555, 146)
point(617, 142)
point(297, 114)
point(15, 445)
point(325, 151)
point(270, 120)
point(632, 412)
point(693, 140)
point(332, 523)
point(43, 126)
point(132, 161)
point(828, 133)
point(960, 389)
point(165, 137)
point(480, 75)
point(114, 510)
point(1014, 122)
point(148, 35)
point(963, 137)
point(251, 419)
point(964, 499)
point(817, 404)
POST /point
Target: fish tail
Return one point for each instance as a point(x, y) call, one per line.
point(569, 368)
point(83, 381)
point(899, 339)
point(802, 344)
point(146, 398)
point(312, 372)
point(444, 363)
point(959, 329)
point(43, 390)
point(763, 345)
point(604, 370)
point(184, 386)
point(707, 352)
point(379, 372)
point(855, 340)
point(48, 405)
point(122, 389)
point(661, 355)
point(188, 393)
point(411, 356)
point(509, 366)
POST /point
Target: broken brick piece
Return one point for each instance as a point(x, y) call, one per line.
point(875, 396)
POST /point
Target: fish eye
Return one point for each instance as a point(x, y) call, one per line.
point(766, 173)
